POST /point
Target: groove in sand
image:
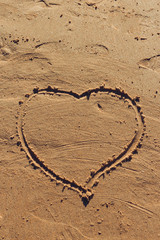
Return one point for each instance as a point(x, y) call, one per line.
point(85, 191)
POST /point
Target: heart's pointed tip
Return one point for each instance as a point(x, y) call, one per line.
point(87, 196)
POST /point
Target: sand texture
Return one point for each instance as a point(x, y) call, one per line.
point(79, 120)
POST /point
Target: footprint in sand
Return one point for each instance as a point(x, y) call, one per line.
point(152, 63)
point(97, 49)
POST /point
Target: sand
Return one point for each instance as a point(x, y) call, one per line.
point(80, 120)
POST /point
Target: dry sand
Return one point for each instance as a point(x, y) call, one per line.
point(80, 159)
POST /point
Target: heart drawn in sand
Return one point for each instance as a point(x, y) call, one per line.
point(85, 190)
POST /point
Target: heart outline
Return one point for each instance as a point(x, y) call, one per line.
point(85, 191)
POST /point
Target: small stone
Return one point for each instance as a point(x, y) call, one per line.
point(18, 143)
point(100, 221)
point(20, 102)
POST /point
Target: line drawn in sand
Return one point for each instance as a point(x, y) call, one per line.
point(47, 3)
point(85, 191)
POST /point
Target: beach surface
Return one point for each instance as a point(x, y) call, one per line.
point(79, 120)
